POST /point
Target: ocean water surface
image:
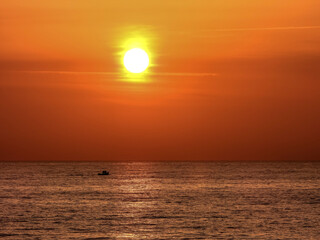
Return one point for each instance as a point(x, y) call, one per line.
point(153, 200)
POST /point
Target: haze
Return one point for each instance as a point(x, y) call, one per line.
point(229, 80)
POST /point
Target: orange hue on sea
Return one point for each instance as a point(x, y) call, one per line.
point(228, 80)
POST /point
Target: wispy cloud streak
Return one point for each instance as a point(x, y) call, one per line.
point(213, 30)
point(262, 28)
point(185, 74)
point(119, 74)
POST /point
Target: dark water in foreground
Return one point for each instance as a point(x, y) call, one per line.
point(160, 201)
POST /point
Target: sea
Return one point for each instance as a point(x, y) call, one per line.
point(160, 200)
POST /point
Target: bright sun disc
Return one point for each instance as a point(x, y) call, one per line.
point(136, 60)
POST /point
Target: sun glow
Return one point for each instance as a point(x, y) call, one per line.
point(136, 60)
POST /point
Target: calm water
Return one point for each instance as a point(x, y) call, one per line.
point(160, 201)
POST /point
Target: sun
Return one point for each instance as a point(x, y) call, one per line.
point(136, 60)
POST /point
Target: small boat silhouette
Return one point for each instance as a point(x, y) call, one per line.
point(104, 173)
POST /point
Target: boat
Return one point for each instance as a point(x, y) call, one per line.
point(104, 173)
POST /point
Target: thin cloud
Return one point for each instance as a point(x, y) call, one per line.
point(262, 28)
point(120, 74)
point(287, 28)
point(184, 74)
point(74, 72)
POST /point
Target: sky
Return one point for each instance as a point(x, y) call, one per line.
point(228, 80)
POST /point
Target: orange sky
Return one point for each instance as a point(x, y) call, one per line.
point(229, 80)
